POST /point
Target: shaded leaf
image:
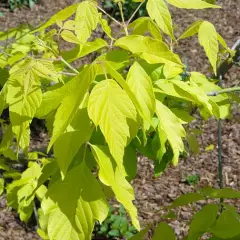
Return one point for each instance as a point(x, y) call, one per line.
point(163, 231)
point(202, 221)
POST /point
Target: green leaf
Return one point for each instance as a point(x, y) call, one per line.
point(23, 99)
point(202, 221)
point(140, 235)
point(144, 24)
point(184, 116)
point(83, 50)
point(172, 128)
point(19, 192)
point(75, 206)
point(141, 85)
point(110, 108)
point(190, 4)
point(1, 186)
point(60, 16)
point(111, 175)
point(191, 30)
point(193, 144)
point(105, 27)
point(121, 81)
point(71, 102)
point(114, 233)
point(190, 92)
point(3, 165)
point(6, 139)
point(68, 144)
point(208, 38)
point(70, 37)
point(227, 225)
point(3, 96)
point(118, 59)
point(151, 50)
point(130, 162)
point(86, 20)
point(222, 100)
point(222, 41)
point(163, 231)
point(186, 199)
point(158, 11)
point(52, 99)
point(44, 69)
point(220, 193)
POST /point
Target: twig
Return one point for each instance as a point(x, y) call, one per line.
point(68, 73)
point(35, 213)
point(68, 65)
point(227, 90)
point(226, 65)
point(135, 12)
point(122, 16)
point(116, 21)
point(220, 167)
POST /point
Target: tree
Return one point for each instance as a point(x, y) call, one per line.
point(135, 96)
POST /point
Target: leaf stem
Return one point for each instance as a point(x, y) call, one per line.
point(115, 20)
point(67, 73)
point(122, 16)
point(68, 65)
point(135, 12)
point(227, 90)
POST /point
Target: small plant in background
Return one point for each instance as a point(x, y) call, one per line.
point(115, 225)
point(13, 4)
point(129, 6)
point(193, 179)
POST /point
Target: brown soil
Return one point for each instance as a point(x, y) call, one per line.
point(152, 193)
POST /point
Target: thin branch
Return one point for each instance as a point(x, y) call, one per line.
point(116, 21)
point(226, 65)
point(67, 73)
point(68, 65)
point(227, 90)
point(135, 12)
point(122, 16)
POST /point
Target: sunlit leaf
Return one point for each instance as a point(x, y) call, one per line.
point(158, 11)
point(111, 175)
point(208, 38)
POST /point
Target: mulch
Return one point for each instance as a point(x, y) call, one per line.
point(153, 193)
